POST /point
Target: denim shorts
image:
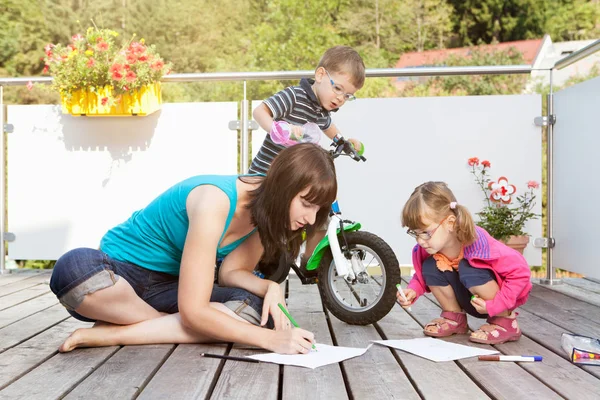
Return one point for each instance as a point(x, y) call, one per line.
point(461, 281)
point(83, 271)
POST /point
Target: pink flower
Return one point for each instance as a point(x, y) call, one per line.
point(102, 46)
point(157, 65)
point(29, 85)
point(115, 68)
point(131, 76)
point(501, 191)
point(91, 62)
point(486, 164)
point(104, 101)
point(533, 185)
point(473, 161)
point(116, 75)
point(48, 49)
point(46, 69)
point(77, 37)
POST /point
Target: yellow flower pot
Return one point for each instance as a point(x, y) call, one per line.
point(141, 102)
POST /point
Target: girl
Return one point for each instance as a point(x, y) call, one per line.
point(466, 269)
point(152, 280)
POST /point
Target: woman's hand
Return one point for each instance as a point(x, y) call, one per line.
point(274, 297)
point(291, 341)
point(410, 297)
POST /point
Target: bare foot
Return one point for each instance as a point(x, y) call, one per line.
point(72, 342)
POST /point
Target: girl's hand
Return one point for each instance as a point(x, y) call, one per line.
point(410, 297)
point(273, 297)
point(479, 304)
point(291, 341)
point(356, 144)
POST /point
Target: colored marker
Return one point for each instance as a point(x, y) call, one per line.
point(510, 358)
point(287, 314)
point(402, 295)
point(232, 358)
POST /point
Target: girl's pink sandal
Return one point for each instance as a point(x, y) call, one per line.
point(509, 331)
point(445, 328)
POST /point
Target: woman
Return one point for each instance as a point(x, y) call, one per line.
point(166, 252)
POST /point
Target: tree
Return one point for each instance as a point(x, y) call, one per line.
point(573, 20)
point(487, 21)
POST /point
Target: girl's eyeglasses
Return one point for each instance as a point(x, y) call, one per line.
point(426, 235)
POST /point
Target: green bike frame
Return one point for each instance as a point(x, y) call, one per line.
point(317, 255)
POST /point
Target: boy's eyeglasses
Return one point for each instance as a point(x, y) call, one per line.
point(337, 89)
point(427, 235)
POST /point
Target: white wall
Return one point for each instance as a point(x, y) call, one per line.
point(576, 192)
point(72, 178)
point(413, 140)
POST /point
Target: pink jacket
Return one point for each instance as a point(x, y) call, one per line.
point(510, 268)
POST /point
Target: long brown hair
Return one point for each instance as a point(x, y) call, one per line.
point(432, 200)
point(292, 171)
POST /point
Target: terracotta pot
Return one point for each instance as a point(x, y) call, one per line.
point(517, 242)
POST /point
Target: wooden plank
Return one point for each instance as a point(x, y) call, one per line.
point(565, 303)
point(426, 375)
point(548, 334)
point(12, 277)
point(125, 372)
point(19, 360)
point(575, 292)
point(23, 296)
point(586, 284)
point(376, 374)
point(563, 377)
point(24, 284)
point(565, 319)
point(303, 383)
point(23, 310)
point(242, 380)
point(185, 375)
point(500, 379)
point(28, 327)
point(57, 376)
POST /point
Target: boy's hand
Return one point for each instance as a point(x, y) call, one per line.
point(356, 144)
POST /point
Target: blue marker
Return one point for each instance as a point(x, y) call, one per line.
point(510, 358)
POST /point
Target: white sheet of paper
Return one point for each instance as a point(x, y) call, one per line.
point(324, 355)
point(435, 349)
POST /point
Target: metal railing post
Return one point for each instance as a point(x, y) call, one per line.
point(244, 139)
point(2, 186)
point(550, 275)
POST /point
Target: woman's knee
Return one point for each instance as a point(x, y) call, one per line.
point(80, 272)
point(246, 305)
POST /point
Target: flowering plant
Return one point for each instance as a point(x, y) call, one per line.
point(497, 216)
point(95, 60)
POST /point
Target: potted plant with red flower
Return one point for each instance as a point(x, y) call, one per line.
point(95, 74)
point(502, 216)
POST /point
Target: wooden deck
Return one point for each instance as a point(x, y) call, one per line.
point(33, 324)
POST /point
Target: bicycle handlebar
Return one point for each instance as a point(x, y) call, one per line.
point(343, 147)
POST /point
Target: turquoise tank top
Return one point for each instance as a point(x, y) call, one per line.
point(153, 237)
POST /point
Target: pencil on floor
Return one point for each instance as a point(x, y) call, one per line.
point(230, 358)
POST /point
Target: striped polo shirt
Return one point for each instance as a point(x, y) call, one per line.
point(296, 105)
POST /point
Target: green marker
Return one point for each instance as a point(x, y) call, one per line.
point(473, 297)
point(287, 314)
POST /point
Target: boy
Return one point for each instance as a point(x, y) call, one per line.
point(340, 73)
